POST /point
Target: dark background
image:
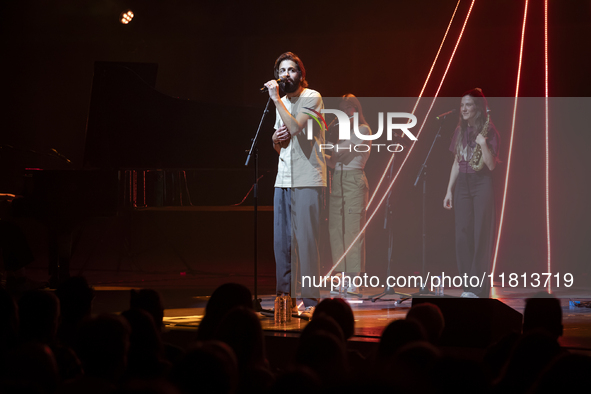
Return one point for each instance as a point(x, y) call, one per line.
point(220, 52)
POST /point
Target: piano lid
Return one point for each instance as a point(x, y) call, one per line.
point(131, 125)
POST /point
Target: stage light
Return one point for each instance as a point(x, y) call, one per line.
point(547, 141)
point(510, 141)
point(379, 203)
point(418, 99)
point(126, 17)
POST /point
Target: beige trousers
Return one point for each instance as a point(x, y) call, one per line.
point(348, 199)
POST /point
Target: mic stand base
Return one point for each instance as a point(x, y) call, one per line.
point(390, 291)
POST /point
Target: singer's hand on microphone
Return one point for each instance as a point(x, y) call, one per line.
point(273, 89)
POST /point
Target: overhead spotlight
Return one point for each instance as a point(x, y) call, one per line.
point(126, 17)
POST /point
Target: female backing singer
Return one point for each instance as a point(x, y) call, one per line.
point(475, 146)
point(348, 198)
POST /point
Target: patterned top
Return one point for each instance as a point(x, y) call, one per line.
point(469, 143)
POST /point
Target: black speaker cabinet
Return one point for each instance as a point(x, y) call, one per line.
point(474, 322)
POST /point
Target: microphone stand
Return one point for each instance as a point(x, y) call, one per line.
point(389, 225)
point(423, 174)
point(253, 151)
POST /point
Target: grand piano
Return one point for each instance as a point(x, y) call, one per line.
point(144, 149)
point(171, 151)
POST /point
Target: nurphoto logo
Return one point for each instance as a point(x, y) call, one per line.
point(345, 129)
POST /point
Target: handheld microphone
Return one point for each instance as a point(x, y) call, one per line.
point(279, 81)
point(445, 114)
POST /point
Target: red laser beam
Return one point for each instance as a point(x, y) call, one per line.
point(511, 142)
point(547, 142)
point(418, 99)
point(410, 150)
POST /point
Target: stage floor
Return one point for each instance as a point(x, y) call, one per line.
point(185, 309)
point(185, 297)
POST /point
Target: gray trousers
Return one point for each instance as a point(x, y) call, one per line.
point(296, 224)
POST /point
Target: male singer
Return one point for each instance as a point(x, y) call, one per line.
point(301, 177)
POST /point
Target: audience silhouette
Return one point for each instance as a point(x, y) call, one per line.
point(51, 343)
